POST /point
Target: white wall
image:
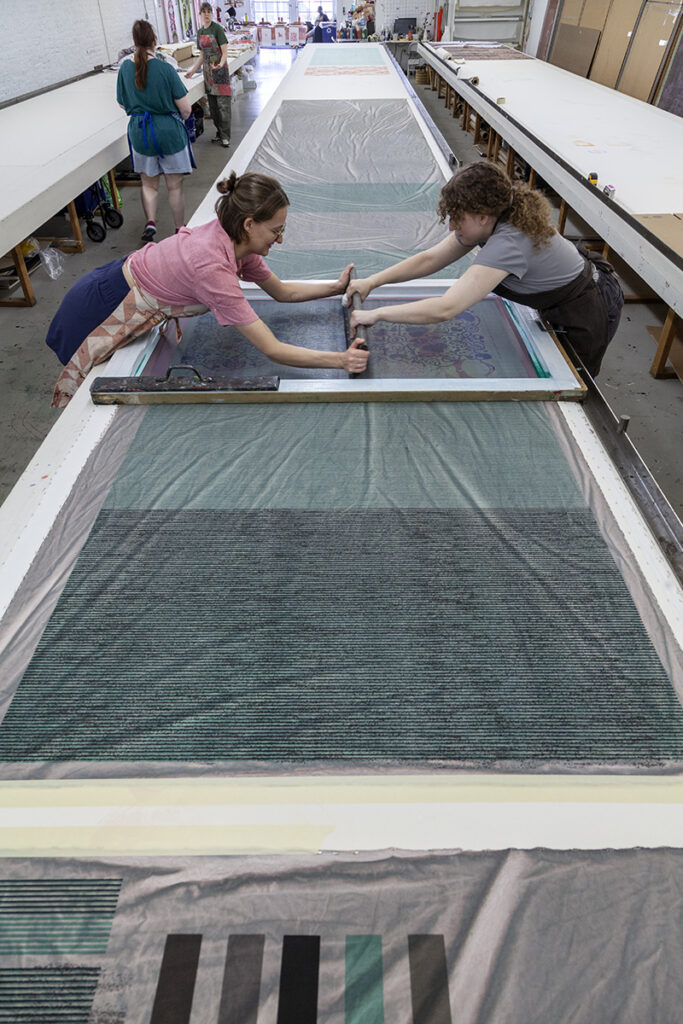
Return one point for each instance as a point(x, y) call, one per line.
point(76, 36)
point(387, 11)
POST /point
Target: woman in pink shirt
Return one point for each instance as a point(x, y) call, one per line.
point(196, 270)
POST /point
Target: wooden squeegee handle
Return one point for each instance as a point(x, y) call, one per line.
point(356, 303)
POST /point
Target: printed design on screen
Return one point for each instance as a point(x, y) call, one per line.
point(481, 342)
point(316, 325)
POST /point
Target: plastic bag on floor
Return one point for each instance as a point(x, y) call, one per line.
point(248, 80)
point(53, 261)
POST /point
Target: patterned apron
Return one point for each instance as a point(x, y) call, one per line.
point(216, 80)
point(137, 313)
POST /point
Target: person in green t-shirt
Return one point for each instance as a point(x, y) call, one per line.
point(212, 44)
point(156, 101)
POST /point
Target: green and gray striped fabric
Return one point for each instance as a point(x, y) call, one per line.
point(349, 584)
point(61, 916)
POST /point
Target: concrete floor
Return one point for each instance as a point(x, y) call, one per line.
point(28, 369)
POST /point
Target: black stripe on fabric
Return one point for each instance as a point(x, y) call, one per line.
point(429, 979)
point(177, 976)
point(298, 1002)
point(242, 980)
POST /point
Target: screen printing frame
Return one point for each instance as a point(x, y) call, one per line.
point(560, 379)
point(561, 382)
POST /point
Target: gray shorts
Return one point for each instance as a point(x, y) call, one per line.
point(176, 163)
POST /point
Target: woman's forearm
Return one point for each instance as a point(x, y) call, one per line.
point(304, 291)
point(423, 311)
point(407, 270)
point(262, 338)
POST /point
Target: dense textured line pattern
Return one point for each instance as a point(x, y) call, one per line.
point(56, 916)
point(54, 995)
point(375, 635)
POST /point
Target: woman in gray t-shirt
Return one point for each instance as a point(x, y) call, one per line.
point(522, 257)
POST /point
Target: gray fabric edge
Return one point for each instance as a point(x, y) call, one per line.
point(657, 626)
point(35, 600)
point(145, 770)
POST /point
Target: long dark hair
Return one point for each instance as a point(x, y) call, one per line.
point(250, 195)
point(486, 188)
point(144, 39)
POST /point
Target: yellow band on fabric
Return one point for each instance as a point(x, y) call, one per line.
point(343, 790)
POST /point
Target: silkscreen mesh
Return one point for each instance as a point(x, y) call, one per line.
point(483, 342)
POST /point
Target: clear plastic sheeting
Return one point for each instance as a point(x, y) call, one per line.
point(535, 937)
point(321, 244)
point(347, 141)
point(366, 193)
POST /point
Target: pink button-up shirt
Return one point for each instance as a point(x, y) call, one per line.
point(198, 266)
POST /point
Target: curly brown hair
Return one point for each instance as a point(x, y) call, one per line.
point(249, 195)
point(486, 188)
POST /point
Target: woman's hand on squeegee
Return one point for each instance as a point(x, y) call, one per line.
point(343, 281)
point(363, 285)
point(362, 318)
point(355, 359)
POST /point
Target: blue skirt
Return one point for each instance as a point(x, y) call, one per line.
point(85, 306)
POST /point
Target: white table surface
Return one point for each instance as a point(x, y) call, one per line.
point(631, 145)
point(62, 142)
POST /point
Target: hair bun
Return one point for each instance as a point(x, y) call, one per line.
point(227, 185)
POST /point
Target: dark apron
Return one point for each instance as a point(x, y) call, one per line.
point(576, 310)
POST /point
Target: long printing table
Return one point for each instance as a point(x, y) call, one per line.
point(70, 137)
point(340, 635)
point(567, 127)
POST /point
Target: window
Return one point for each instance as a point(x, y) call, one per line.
point(308, 11)
point(271, 10)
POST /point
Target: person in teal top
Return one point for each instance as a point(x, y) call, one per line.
point(212, 44)
point(155, 99)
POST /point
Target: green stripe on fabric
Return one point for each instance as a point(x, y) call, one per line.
point(56, 916)
point(364, 993)
point(360, 198)
point(356, 456)
point(36, 995)
point(51, 934)
point(416, 635)
point(327, 264)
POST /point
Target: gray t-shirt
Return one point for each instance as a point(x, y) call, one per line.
point(532, 270)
